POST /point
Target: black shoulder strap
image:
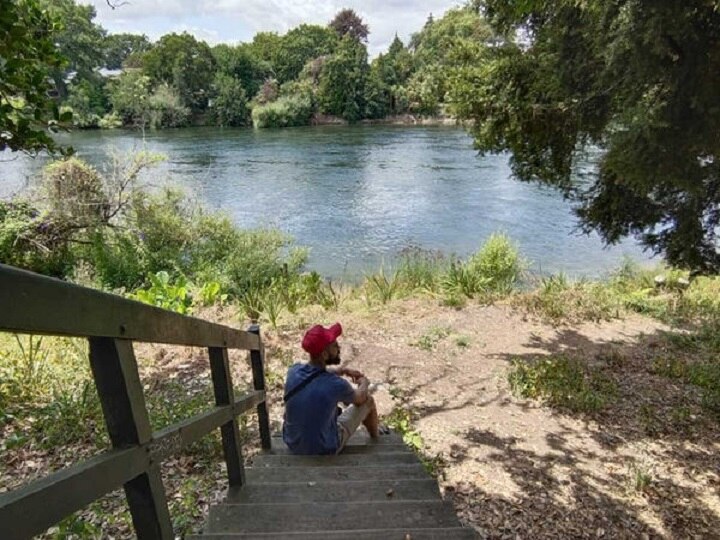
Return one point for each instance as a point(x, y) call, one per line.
point(302, 385)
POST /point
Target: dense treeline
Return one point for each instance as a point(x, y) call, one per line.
point(273, 81)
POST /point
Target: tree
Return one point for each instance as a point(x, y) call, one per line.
point(229, 103)
point(342, 83)
point(347, 22)
point(129, 95)
point(27, 57)
point(390, 73)
point(636, 79)
point(77, 38)
point(240, 62)
point(119, 46)
point(300, 45)
point(185, 63)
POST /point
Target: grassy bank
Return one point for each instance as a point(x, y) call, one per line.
point(105, 231)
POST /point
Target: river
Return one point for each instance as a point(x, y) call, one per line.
point(358, 195)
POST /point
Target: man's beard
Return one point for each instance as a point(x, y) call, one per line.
point(333, 361)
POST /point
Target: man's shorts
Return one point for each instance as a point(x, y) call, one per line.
point(350, 420)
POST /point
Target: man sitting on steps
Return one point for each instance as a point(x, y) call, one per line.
point(314, 390)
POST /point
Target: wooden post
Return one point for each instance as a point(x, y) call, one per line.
point(224, 395)
point(121, 395)
point(257, 359)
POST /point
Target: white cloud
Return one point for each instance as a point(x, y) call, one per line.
point(238, 20)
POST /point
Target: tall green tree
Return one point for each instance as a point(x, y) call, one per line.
point(119, 46)
point(77, 38)
point(347, 22)
point(229, 102)
point(184, 63)
point(342, 87)
point(241, 62)
point(27, 57)
point(637, 80)
point(298, 47)
point(389, 73)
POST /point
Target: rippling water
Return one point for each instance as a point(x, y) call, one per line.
point(358, 195)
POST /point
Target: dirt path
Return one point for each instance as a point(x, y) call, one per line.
point(517, 469)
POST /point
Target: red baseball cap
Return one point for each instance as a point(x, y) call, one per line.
point(319, 337)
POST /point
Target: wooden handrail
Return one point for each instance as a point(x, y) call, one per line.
point(34, 304)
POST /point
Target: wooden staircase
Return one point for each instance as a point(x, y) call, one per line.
point(373, 490)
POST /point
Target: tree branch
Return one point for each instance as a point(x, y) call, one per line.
point(114, 4)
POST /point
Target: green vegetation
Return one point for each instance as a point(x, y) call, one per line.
point(273, 81)
point(28, 56)
point(429, 341)
point(286, 111)
point(562, 382)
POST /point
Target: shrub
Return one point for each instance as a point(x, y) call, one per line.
point(75, 193)
point(421, 270)
point(286, 111)
point(498, 262)
point(562, 382)
point(31, 240)
point(162, 292)
point(110, 121)
point(165, 108)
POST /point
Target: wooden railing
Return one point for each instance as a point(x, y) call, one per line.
point(34, 304)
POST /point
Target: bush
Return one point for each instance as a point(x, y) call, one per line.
point(562, 382)
point(287, 111)
point(165, 108)
point(75, 193)
point(174, 296)
point(31, 240)
point(498, 262)
point(421, 270)
point(559, 299)
point(110, 121)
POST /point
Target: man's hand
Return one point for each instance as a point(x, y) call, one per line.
point(354, 374)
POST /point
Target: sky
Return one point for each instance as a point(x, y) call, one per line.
point(233, 21)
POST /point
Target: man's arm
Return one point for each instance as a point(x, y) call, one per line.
point(354, 374)
point(361, 392)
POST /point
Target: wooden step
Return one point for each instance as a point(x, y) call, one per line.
point(348, 491)
point(342, 460)
point(359, 437)
point(354, 449)
point(319, 474)
point(307, 517)
point(445, 533)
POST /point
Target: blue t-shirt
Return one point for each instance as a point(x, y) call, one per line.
point(310, 424)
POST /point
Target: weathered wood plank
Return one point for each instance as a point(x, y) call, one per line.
point(117, 379)
point(257, 360)
point(299, 517)
point(223, 388)
point(173, 438)
point(342, 460)
point(33, 508)
point(423, 489)
point(352, 449)
point(44, 305)
point(319, 474)
point(444, 533)
point(360, 438)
